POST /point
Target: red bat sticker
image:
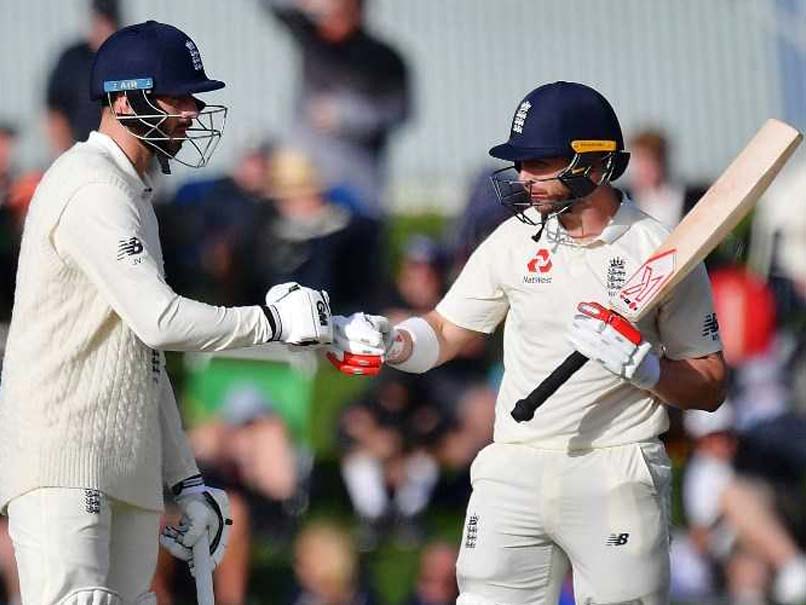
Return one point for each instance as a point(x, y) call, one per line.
point(645, 282)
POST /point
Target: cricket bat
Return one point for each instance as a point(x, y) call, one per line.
point(715, 215)
point(203, 571)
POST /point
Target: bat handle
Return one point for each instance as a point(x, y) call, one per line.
point(203, 571)
point(525, 408)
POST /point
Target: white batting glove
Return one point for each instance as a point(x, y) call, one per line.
point(205, 511)
point(302, 315)
point(360, 343)
point(608, 338)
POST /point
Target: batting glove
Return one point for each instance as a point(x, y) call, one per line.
point(608, 338)
point(205, 511)
point(360, 343)
point(302, 315)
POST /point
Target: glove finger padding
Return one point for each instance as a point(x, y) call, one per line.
point(204, 513)
point(382, 325)
point(615, 343)
point(280, 291)
point(359, 345)
point(355, 365)
point(195, 522)
point(358, 334)
point(171, 540)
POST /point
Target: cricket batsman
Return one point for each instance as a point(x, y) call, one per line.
point(89, 428)
point(586, 483)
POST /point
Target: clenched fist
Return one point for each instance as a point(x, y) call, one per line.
point(302, 315)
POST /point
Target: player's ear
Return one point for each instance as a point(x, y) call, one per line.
point(120, 104)
point(598, 168)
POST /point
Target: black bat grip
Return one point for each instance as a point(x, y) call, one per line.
point(525, 408)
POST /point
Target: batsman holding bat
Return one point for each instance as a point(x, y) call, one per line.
point(586, 482)
point(89, 428)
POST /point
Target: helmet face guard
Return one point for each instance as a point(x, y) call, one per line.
point(516, 194)
point(194, 149)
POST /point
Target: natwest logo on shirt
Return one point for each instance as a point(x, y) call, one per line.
point(539, 267)
point(540, 263)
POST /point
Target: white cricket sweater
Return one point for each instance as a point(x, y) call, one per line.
point(84, 399)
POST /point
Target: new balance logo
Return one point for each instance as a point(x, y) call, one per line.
point(710, 326)
point(617, 539)
point(472, 532)
point(129, 247)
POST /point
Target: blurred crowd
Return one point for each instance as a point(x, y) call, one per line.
point(393, 473)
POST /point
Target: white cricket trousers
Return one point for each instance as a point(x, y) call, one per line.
point(532, 513)
point(67, 538)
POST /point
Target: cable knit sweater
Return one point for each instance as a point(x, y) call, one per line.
point(84, 399)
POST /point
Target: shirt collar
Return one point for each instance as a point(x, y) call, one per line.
point(620, 222)
point(144, 183)
point(617, 226)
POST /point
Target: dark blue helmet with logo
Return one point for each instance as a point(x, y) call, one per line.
point(151, 55)
point(149, 60)
point(562, 120)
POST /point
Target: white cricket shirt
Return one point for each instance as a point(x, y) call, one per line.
point(535, 288)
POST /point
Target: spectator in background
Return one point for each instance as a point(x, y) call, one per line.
point(326, 567)
point(13, 210)
point(71, 115)
point(354, 92)
point(208, 223)
point(773, 433)
point(249, 451)
point(8, 566)
point(420, 280)
point(460, 388)
point(778, 247)
point(436, 579)
point(778, 254)
point(8, 136)
point(304, 237)
point(10, 237)
point(481, 215)
point(398, 434)
point(651, 187)
point(732, 519)
point(10, 230)
point(389, 467)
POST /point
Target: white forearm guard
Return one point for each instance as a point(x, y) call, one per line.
point(424, 346)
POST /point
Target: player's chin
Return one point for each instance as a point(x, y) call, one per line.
point(546, 206)
point(173, 146)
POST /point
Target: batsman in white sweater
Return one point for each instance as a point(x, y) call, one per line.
point(89, 428)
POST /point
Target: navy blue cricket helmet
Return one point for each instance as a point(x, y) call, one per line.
point(152, 59)
point(562, 119)
point(150, 55)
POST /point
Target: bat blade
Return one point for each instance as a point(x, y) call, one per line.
point(715, 215)
point(722, 207)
